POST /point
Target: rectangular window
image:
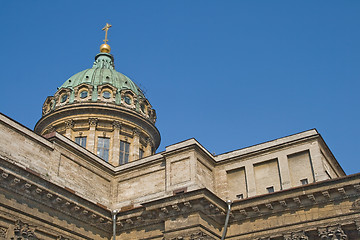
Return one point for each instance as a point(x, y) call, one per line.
point(304, 181)
point(141, 153)
point(124, 152)
point(81, 141)
point(103, 148)
point(240, 196)
point(270, 189)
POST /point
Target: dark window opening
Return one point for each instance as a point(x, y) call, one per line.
point(270, 189)
point(83, 94)
point(124, 152)
point(106, 94)
point(127, 100)
point(141, 153)
point(240, 196)
point(63, 98)
point(81, 141)
point(103, 148)
point(304, 181)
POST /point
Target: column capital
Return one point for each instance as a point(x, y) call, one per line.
point(93, 122)
point(69, 124)
point(51, 129)
point(149, 142)
point(136, 132)
point(116, 124)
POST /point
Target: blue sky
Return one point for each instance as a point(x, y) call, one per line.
point(229, 73)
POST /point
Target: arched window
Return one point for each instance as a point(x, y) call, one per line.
point(106, 94)
point(127, 100)
point(83, 94)
point(63, 98)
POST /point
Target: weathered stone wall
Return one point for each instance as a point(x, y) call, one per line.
point(300, 168)
point(64, 166)
point(137, 185)
point(281, 167)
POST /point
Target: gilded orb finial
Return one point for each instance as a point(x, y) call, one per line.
point(105, 47)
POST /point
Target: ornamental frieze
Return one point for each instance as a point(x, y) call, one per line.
point(3, 232)
point(356, 205)
point(23, 231)
point(197, 235)
point(332, 233)
point(93, 122)
point(296, 236)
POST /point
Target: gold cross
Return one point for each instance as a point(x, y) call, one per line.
point(106, 28)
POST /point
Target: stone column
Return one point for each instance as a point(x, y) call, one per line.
point(116, 143)
point(148, 148)
point(134, 151)
point(69, 124)
point(250, 179)
point(91, 138)
point(284, 172)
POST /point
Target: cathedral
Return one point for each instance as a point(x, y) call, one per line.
point(90, 170)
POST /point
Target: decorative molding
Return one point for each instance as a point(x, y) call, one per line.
point(149, 142)
point(300, 235)
point(93, 122)
point(69, 124)
point(51, 129)
point(283, 203)
point(200, 236)
point(197, 235)
point(3, 232)
point(332, 233)
point(23, 231)
point(356, 205)
point(38, 193)
point(326, 194)
point(357, 224)
point(269, 206)
point(116, 125)
point(136, 132)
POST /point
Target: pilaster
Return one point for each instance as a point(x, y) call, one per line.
point(148, 148)
point(92, 129)
point(250, 179)
point(284, 172)
point(135, 144)
point(116, 143)
point(69, 125)
point(317, 164)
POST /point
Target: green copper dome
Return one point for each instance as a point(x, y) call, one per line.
point(103, 85)
point(103, 72)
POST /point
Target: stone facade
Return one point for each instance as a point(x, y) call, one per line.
point(52, 188)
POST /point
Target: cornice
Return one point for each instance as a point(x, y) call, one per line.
point(93, 109)
point(304, 197)
point(32, 186)
point(268, 146)
point(200, 201)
